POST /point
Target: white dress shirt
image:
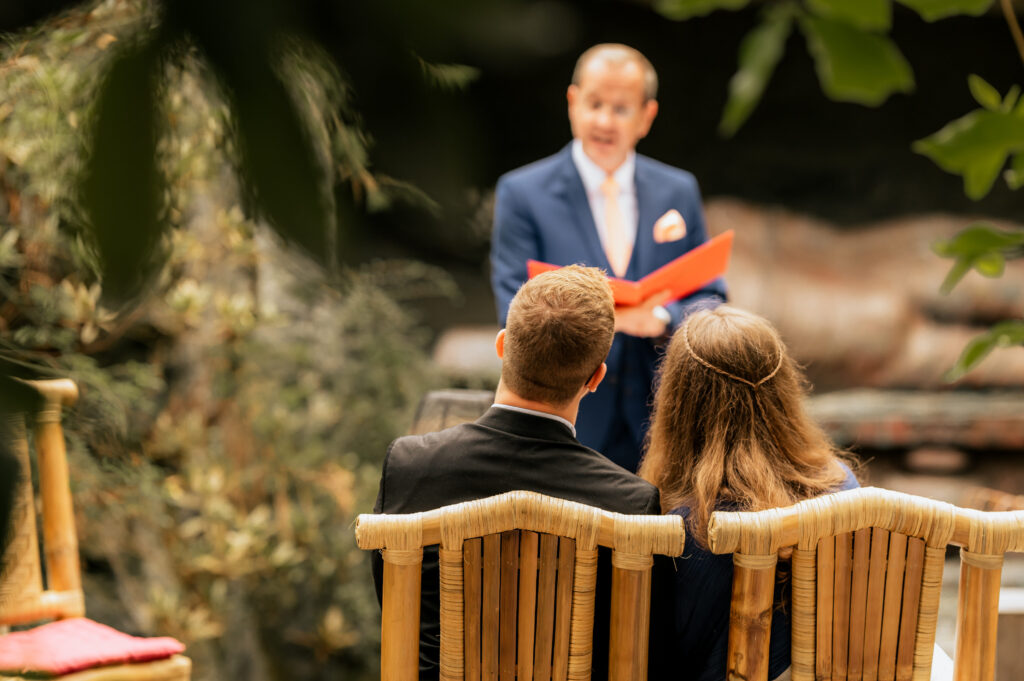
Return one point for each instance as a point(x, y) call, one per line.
point(625, 177)
point(544, 414)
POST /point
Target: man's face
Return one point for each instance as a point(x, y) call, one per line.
point(608, 112)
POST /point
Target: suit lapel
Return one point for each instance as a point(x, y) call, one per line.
point(648, 208)
point(575, 196)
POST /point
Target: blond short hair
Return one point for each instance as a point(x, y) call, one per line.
point(619, 54)
point(559, 330)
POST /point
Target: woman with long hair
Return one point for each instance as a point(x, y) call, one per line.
point(730, 433)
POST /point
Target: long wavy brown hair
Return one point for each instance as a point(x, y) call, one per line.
point(729, 426)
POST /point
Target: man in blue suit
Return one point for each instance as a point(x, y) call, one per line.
point(597, 202)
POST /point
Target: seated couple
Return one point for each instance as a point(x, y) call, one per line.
point(729, 432)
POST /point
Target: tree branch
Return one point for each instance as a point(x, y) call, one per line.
point(1011, 20)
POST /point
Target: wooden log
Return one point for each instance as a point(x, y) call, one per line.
point(977, 617)
point(440, 409)
point(750, 622)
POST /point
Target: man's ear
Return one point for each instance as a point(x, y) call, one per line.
point(598, 376)
point(571, 94)
point(499, 344)
point(650, 112)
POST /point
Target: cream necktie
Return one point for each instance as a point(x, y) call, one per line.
point(617, 246)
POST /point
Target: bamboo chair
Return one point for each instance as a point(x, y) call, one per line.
point(866, 580)
point(518, 579)
point(23, 597)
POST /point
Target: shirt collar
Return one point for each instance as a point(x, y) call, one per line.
point(534, 412)
point(592, 174)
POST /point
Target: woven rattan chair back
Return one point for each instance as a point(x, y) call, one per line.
point(866, 580)
point(518, 580)
point(24, 595)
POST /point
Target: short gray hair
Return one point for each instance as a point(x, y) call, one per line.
point(619, 54)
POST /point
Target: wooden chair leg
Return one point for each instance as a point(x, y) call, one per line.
point(750, 626)
point(400, 615)
point(630, 616)
point(977, 616)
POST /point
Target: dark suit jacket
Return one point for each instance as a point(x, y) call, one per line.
point(502, 451)
point(541, 212)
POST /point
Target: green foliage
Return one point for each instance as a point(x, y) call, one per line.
point(759, 54)
point(855, 65)
point(870, 15)
point(978, 144)
point(981, 247)
point(1002, 335)
point(933, 10)
point(684, 9)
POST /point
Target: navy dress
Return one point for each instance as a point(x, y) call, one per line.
point(703, 590)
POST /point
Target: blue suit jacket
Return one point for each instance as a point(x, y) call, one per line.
point(541, 212)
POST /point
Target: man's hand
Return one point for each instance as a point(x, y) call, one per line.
point(639, 320)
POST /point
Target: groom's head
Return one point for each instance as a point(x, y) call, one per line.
point(559, 331)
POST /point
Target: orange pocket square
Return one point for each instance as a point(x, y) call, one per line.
point(669, 227)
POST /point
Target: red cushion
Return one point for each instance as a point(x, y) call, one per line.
point(78, 643)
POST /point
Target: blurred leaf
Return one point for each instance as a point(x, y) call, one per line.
point(871, 15)
point(932, 10)
point(975, 146)
point(983, 93)
point(854, 65)
point(684, 9)
point(1002, 335)
point(979, 246)
point(1015, 173)
point(450, 76)
point(1011, 99)
point(760, 52)
point(121, 186)
point(280, 171)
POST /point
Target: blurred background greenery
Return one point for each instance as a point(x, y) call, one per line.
point(239, 224)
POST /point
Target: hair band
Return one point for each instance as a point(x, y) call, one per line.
point(709, 365)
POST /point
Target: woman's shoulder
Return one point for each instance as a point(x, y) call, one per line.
point(850, 481)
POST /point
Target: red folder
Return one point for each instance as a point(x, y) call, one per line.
point(682, 276)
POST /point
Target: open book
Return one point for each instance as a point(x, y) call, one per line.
point(682, 276)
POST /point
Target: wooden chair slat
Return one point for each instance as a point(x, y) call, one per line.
point(891, 605)
point(563, 609)
point(875, 601)
point(823, 643)
point(548, 570)
point(472, 563)
point(528, 546)
point(508, 603)
point(804, 613)
point(841, 606)
point(911, 603)
point(858, 602)
point(489, 615)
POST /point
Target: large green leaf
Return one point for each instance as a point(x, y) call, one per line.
point(684, 9)
point(931, 10)
point(855, 65)
point(1015, 173)
point(759, 53)
point(121, 185)
point(981, 247)
point(1002, 335)
point(871, 15)
point(983, 93)
point(975, 146)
